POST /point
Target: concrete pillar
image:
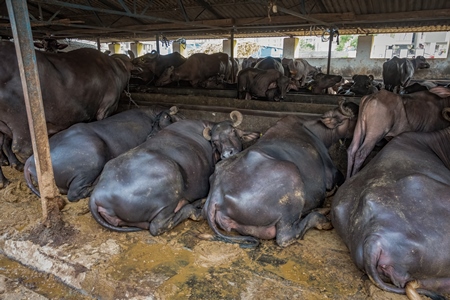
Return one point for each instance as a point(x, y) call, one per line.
point(363, 56)
point(137, 48)
point(179, 47)
point(290, 46)
point(114, 48)
point(226, 47)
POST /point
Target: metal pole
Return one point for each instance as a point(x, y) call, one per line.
point(233, 71)
point(23, 40)
point(157, 43)
point(329, 49)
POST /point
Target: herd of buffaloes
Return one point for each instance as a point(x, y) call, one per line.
point(151, 168)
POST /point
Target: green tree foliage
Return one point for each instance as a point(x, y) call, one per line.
point(347, 41)
point(305, 45)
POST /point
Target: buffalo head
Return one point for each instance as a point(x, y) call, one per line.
point(226, 138)
point(421, 63)
point(50, 45)
point(164, 119)
point(343, 118)
point(147, 65)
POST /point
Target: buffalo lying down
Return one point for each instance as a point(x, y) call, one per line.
point(80, 152)
point(394, 215)
point(270, 189)
point(160, 183)
point(385, 114)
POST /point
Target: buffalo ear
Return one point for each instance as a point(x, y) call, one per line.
point(207, 133)
point(441, 91)
point(247, 136)
point(38, 45)
point(62, 46)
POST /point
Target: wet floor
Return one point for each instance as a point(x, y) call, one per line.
point(178, 265)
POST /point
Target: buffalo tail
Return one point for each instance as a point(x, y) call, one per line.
point(372, 250)
point(94, 211)
point(28, 178)
point(243, 241)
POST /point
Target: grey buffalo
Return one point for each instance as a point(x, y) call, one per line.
point(386, 114)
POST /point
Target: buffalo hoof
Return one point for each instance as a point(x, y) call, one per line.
point(3, 183)
point(18, 166)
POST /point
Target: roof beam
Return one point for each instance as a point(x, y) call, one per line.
point(209, 8)
point(115, 12)
point(180, 3)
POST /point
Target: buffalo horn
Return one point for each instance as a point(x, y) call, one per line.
point(345, 110)
point(446, 113)
point(207, 133)
point(153, 54)
point(236, 117)
point(173, 110)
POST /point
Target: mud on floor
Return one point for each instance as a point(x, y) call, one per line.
point(97, 263)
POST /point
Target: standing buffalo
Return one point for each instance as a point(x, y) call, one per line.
point(397, 72)
point(385, 114)
point(80, 152)
point(197, 68)
point(160, 183)
point(77, 86)
point(270, 189)
point(394, 215)
point(269, 84)
point(152, 65)
point(269, 63)
point(300, 69)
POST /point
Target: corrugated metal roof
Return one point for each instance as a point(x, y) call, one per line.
point(129, 20)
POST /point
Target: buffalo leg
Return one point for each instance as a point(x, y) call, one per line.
point(3, 159)
point(13, 161)
point(163, 223)
point(286, 235)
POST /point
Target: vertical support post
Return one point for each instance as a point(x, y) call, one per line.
point(329, 49)
point(233, 71)
point(23, 40)
point(98, 44)
point(157, 43)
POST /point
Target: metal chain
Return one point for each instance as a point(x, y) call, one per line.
point(128, 94)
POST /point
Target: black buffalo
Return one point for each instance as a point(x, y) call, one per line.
point(80, 152)
point(398, 72)
point(386, 114)
point(270, 189)
point(269, 63)
point(50, 45)
point(394, 215)
point(363, 85)
point(197, 68)
point(269, 84)
point(77, 86)
point(152, 65)
point(160, 183)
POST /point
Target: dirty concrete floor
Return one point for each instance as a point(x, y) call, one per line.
point(95, 263)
